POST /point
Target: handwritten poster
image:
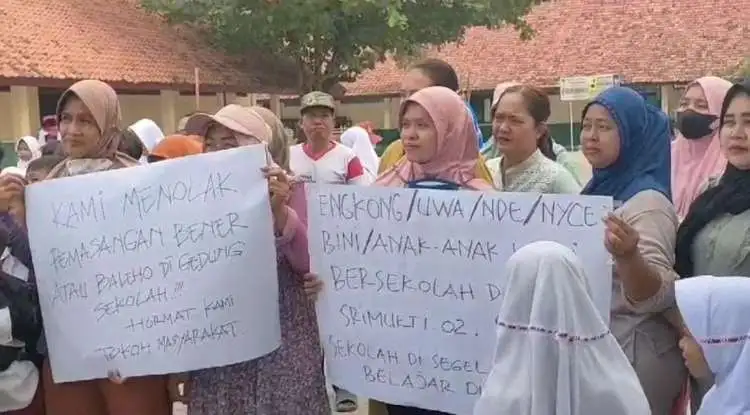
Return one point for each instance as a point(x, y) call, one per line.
point(156, 269)
point(414, 280)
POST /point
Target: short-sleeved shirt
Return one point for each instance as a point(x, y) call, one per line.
point(337, 164)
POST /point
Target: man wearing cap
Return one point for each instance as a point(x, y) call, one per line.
point(321, 159)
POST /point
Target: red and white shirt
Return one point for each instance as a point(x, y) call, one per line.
point(337, 164)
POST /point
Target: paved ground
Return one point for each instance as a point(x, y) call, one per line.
point(181, 410)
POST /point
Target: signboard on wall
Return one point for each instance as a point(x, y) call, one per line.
point(585, 88)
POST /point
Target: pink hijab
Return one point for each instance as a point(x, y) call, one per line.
point(457, 149)
point(695, 161)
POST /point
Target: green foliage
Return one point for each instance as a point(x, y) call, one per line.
point(330, 41)
point(743, 71)
point(738, 71)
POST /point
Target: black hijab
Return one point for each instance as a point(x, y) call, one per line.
point(730, 196)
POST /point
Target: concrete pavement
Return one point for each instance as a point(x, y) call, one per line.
point(180, 409)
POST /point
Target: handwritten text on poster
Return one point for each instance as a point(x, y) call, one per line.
point(414, 279)
point(157, 269)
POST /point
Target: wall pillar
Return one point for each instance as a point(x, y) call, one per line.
point(230, 98)
point(221, 99)
point(665, 92)
point(168, 105)
point(276, 106)
point(245, 101)
point(387, 122)
point(24, 107)
point(253, 99)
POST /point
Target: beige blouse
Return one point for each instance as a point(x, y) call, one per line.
point(535, 174)
point(646, 337)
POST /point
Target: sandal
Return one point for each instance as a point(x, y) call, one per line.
point(346, 405)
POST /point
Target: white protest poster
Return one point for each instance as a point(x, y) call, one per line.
point(156, 269)
point(414, 280)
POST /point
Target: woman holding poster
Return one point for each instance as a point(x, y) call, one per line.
point(289, 380)
point(88, 115)
point(627, 142)
point(441, 153)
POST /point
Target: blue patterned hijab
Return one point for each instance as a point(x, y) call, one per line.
point(645, 138)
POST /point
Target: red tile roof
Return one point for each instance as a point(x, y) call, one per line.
point(113, 40)
point(646, 41)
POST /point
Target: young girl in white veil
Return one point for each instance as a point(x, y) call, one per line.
point(716, 311)
point(555, 354)
point(358, 139)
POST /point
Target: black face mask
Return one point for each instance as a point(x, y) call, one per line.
point(694, 125)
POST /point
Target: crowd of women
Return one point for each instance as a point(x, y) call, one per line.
point(678, 237)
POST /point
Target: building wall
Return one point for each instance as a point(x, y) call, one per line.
point(134, 108)
point(165, 108)
point(6, 127)
point(383, 112)
point(372, 110)
point(137, 107)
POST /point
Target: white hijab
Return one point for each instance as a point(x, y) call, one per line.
point(358, 140)
point(554, 354)
point(42, 137)
point(33, 145)
point(150, 135)
point(716, 310)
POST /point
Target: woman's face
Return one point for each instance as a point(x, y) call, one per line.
point(695, 361)
point(418, 134)
point(414, 80)
point(23, 151)
point(219, 137)
point(515, 131)
point(600, 139)
point(735, 132)
point(78, 128)
point(694, 99)
point(694, 120)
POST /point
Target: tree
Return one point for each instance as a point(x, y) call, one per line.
point(333, 41)
point(740, 70)
point(743, 71)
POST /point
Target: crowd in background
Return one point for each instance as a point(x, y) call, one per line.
point(679, 238)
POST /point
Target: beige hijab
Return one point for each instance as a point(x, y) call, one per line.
point(102, 101)
point(278, 146)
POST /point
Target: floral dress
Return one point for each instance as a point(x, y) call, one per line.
point(289, 380)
